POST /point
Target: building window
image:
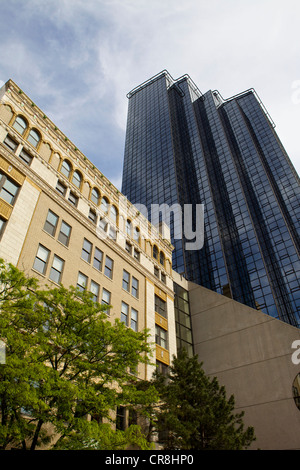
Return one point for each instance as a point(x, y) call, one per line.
point(73, 199)
point(128, 228)
point(56, 269)
point(105, 299)
point(126, 280)
point(160, 306)
point(92, 216)
point(98, 257)
point(163, 277)
point(51, 223)
point(128, 247)
point(95, 196)
point(65, 233)
point(162, 258)
point(113, 214)
point(104, 205)
point(20, 125)
point(161, 337)
point(155, 252)
point(135, 287)
point(162, 368)
point(136, 254)
point(10, 143)
point(25, 157)
point(33, 138)
point(66, 168)
point(77, 178)
point(86, 252)
point(124, 313)
point(95, 288)
point(61, 188)
point(108, 268)
point(134, 319)
point(136, 235)
point(41, 259)
point(8, 189)
point(121, 418)
point(156, 271)
point(82, 281)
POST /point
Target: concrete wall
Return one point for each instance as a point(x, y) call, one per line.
point(251, 355)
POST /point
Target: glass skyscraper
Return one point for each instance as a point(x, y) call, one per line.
point(185, 147)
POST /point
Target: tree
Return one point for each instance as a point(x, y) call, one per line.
point(64, 360)
point(195, 412)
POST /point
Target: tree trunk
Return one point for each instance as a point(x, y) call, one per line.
point(36, 434)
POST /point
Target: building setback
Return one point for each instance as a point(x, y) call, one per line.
point(184, 147)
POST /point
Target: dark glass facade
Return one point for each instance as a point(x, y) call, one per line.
point(183, 147)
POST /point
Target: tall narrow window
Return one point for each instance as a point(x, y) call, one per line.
point(66, 168)
point(95, 291)
point(128, 228)
point(113, 214)
point(155, 252)
point(77, 178)
point(51, 223)
point(160, 306)
point(108, 268)
point(41, 259)
point(124, 313)
point(134, 319)
point(106, 299)
point(126, 280)
point(121, 418)
point(20, 125)
point(8, 189)
point(135, 287)
point(65, 233)
point(86, 250)
point(56, 269)
point(98, 257)
point(161, 337)
point(104, 205)
point(82, 281)
point(162, 258)
point(136, 234)
point(33, 138)
point(95, 196)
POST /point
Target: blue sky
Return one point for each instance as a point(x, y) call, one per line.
point(77, 59)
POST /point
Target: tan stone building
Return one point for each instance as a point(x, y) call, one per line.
point(63, 222)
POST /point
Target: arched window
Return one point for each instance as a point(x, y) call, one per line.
point(95, 196)
point(20, 125)
point(104, 205)
point(162, 258)
point(155, 252)
point(113, 214)
point(136, 234)
point(128, 228)
point(66, 168)
point(33, 138)
point(77, 178)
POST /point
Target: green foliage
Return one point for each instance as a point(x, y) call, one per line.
point(64, 360)
point(195, 411)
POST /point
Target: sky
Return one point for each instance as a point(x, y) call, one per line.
point(77, 60)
